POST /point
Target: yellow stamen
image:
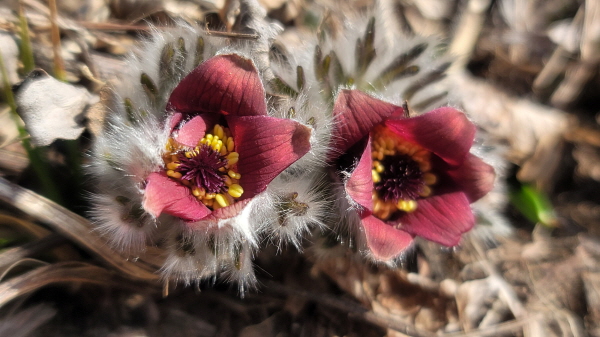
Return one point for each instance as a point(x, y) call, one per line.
point(217, 146)
point(221, 200)
point(407, 205)
point(425, 192)
point(221, 141)
point(390, 144)
point(232, 158)
point(375, 176)
point(234, 175)
point(174, 174)
point(377, 205)
point(230, 144)
point(235, 190)
point(198, 192)
point(429, 178)
point(385, 213)
point(218, 131)
point(386, 144)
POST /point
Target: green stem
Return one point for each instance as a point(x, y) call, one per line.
point(25, 48)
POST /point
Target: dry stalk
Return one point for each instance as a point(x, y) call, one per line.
point(74, 227)
point(59, 273)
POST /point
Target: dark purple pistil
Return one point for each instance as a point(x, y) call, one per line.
point(401, 179)
point(203, 169)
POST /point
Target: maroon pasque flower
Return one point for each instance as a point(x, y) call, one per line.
point(223, 148)
point(409, 176)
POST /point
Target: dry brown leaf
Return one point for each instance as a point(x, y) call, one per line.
point(533, 132)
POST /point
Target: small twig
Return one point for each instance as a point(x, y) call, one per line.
point(243, 36)
point(26, 262)
point(74, 227)
point(496, 330)
point(353, 309)
point(406, 110)
point(60, 273)
point(468, 31)
point(59, 65)
point(506, 291)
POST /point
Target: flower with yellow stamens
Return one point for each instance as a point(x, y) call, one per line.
point(223, 149)
point(407, 176)
point(399, 174)
point(207, 169)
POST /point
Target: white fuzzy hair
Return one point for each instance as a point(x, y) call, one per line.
point(132, 144)
point(134, 136)
point(424, 90)
point(308, 191)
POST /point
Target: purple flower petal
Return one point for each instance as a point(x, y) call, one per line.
point(174, 120)
point(227, 83)
point(165, 195)
point(384, 241)
point(192, 131)
point(356, 114)
point(445, 131)
point(360, 183)
point(474, 177)
point(267, 146)
point(440, 218)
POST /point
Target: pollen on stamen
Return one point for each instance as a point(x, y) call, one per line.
point(401, 174)
point(209, 169)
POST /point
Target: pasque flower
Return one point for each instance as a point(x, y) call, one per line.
point(223, 149)
point(406, 176)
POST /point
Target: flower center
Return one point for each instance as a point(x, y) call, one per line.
point(201, 166)
point(209, 169)
point(400, 173)
point(401, 178)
